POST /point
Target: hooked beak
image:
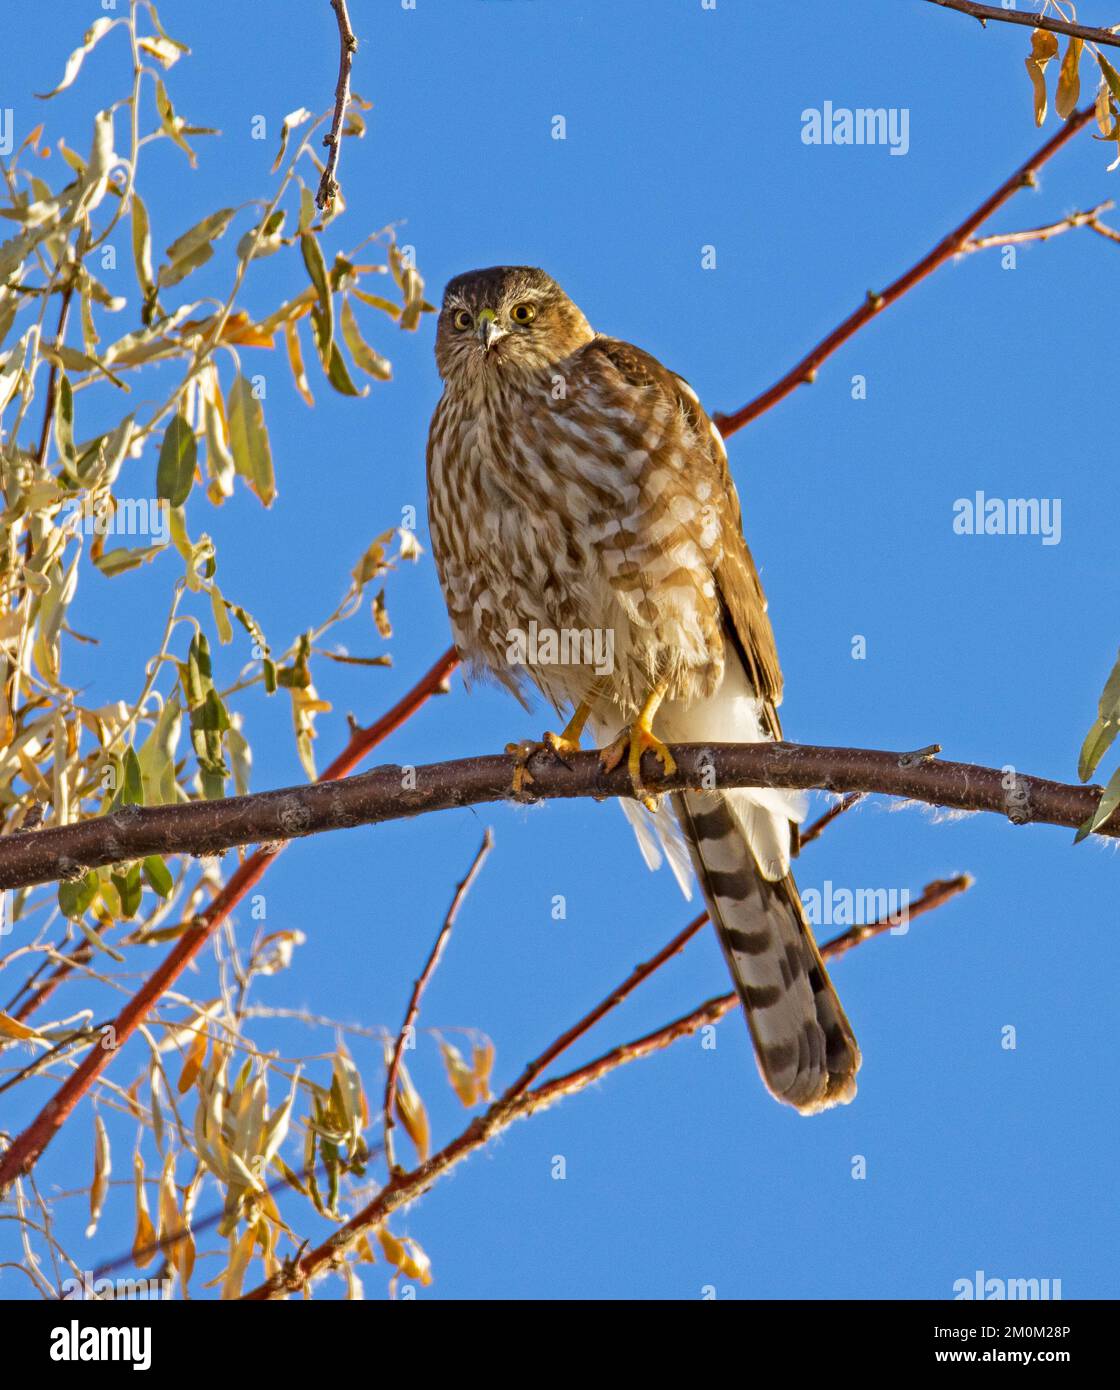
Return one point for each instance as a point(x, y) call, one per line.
point(489, 330)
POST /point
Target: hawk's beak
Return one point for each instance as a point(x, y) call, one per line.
point(488, 329)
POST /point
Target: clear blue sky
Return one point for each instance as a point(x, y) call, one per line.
point(684, 130)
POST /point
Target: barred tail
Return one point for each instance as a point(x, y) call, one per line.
point(803, 1042)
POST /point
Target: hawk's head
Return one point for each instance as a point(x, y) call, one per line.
point(506, 317)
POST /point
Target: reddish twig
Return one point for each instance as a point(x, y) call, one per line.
point(24, 1151)
point(419, 987)
point(945, 250)
point(812, 832)
point(1033, 21)
point(516, 1103)
point(361, 741)
point(348, 46)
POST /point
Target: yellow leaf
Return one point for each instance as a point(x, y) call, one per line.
point(195, 1059)
point(12, 1028)
point(1069, 80)
point(143, 1242)
point(295, 358)
point(412, 1115)
point(1044, 46)
point(461, 1076)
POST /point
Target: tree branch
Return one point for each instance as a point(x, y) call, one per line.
point(1033, 21)
point(518, 1102)
point(250, 873)
point(806, 370)
point(348, 46)
point(419, 987)
point(1066, 224)
point(394, 793)
point(25, 1150)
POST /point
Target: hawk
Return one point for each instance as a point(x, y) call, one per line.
point(580, 504)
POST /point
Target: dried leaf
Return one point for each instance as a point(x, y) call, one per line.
point(93, 35)
point(1044, 46)
point(1069, 80)
point(102, 1167)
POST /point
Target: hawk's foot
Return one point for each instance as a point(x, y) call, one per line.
point(634, 741)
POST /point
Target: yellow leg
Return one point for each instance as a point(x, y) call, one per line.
point(634, 741)
point(568, 741)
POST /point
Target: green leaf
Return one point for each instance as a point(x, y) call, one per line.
point(1097, 743)
point(1110, 799)
point(177, 457)
point(252, 454)
point(317, 270)
point(120, 560)
point(132, 787)
point(64, 420)
point(201, 234)
point(158, 876)
point(129, 889)
point(142, 245)
point(75, 895)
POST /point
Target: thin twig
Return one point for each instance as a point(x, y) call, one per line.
point(612, 1001)
point(812, 832)
point(413, 1010)
point(1033, 21)
point(248, 875)
point(403, 1188)
point(1067, 224)
point(25, 1150)
point(348, 46)
point(806, 370)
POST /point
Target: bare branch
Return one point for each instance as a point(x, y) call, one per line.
point(1033, 21)
point(249, 874)
point(421, 984)
point(806, 370)
point(1067, 224)
point(348, 46)
point(519, 1102)
point(393, 793)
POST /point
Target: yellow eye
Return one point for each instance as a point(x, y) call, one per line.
point(523, 313)
point(463, 320)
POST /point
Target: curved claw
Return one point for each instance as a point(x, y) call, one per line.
point(631, 744)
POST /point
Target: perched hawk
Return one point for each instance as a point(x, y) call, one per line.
point(589, 540)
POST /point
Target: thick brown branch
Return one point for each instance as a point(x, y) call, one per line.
point(360, 742)
point(1033, 21)
point(805, 371)
point(24, 1151)
point(394, 793)
point(348, 46)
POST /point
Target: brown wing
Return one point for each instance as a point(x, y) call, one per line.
point(737, 581)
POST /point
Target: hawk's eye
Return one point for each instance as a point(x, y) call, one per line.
point(523, 313)
point(463, 320)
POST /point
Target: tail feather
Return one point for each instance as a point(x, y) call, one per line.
point(804, 1045)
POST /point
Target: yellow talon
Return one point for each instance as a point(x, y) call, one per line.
point(634, 741)
point(521, 753)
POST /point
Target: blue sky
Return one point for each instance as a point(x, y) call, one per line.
point(684, 131)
